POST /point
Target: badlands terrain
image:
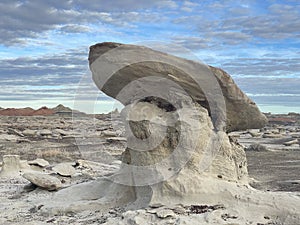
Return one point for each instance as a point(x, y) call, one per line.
point(272, 154)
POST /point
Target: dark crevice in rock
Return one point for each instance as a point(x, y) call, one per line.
point(160, 103)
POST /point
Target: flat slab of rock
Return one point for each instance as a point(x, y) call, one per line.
point(39, 162)
point(29, 133)
point(43, 180)
point(62, 132)
point(64, 169)
point(254, 133)
point(164, 213)
point(45, 132)
point(108, 133)
point(272, 135)
point(295, 135)
point(292, 142)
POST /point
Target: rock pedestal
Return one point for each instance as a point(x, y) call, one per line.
point(178, 150)
point(176, 122)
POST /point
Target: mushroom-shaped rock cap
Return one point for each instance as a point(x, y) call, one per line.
point(241, 112)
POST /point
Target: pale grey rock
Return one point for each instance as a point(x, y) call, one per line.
point(164, 213)
point(272, 135)
point(29, 133)
point(229, 161)
point(151, 211)
point(43, 180)
point(39, 162)
point(62, 132)
point(11, 166)
point(108, 133)
point(292, 142)
point(295, 135)
point(179, 210)
point(64, 169)
point(45, 132)
point(156, 205)
point(254, 133)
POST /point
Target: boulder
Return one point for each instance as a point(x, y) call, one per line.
point(43, 180)
point(241, 112)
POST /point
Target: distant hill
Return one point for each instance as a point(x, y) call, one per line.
point(283, 119)
point(63, 110)
point(43, 111)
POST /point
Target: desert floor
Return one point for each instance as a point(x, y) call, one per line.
point(93, 147)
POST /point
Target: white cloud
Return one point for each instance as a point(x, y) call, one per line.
point(73, 28)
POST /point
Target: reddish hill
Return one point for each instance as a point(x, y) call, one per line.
point(44, 111)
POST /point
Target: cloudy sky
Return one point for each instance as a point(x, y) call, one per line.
point(44, 44)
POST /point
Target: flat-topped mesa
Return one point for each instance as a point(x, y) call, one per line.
point(241, 112)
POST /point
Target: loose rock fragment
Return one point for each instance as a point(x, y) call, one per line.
point(29, 133)
point(292, 142)
point(164, 213)
point(39, 162)
point(43, 180)
point(64, 169)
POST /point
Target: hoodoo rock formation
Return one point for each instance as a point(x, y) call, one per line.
point(174, 142)
point(176, 115)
